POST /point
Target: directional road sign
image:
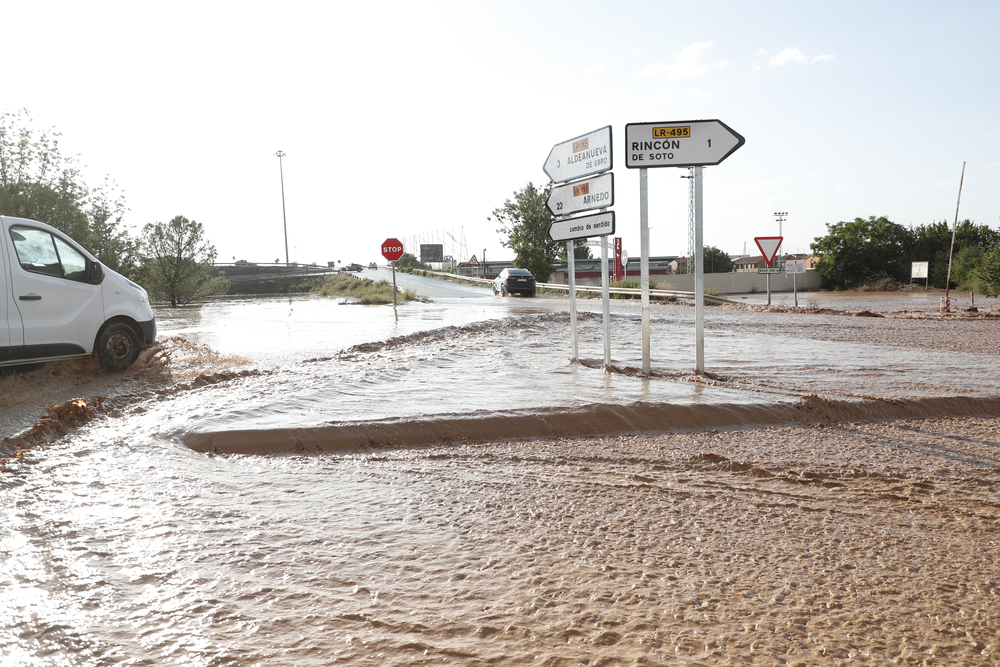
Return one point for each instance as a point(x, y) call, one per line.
point(392, 249)
point(682, 143)
point(585, 195)
point(585, 226)
point(768, 246)
point(587, 154)
point(769, 269)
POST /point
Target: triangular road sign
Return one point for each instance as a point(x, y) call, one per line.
point(768, 246)
point(473, 261)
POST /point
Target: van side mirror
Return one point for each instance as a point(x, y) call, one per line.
point(95, 273)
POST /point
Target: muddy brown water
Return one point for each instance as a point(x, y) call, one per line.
point(829, 495)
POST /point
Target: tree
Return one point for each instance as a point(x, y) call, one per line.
point(716, 261)
point(580, 250)
point(179, 262)
point(110, 243)
point(525, 222)
point(853, 253)
point(989, 270)
point(410, 261)
point(39, 183)
point(932, 243)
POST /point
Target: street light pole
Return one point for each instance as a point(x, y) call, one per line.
point(284, 218)
point(780, 215)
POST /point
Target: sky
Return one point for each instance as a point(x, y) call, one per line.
point(415, 120)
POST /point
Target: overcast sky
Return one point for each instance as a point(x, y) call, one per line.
point(401, 118)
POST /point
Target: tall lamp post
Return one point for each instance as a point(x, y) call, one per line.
point(780, 216)
point(284, 218)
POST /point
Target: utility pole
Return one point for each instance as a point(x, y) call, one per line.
point(691, 232)
point(284, 219)
point(947, 281)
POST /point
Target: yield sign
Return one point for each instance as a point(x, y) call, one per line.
point(768, 246)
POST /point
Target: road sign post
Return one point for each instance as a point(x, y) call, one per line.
point(571, 266)
point(583, 156)
point(687, 143)
point(392, 250)
point(794, 267)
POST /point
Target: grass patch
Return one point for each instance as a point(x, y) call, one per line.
point(361, 290)
point(630, 284)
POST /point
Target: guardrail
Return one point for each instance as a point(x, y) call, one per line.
point(629, 291)
point(301, 273)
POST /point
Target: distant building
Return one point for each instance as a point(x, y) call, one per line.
point(749, 264)
point(754, 262)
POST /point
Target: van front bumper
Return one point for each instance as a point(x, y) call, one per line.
point(148, 331)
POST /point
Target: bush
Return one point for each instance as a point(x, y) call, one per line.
point(362, 290)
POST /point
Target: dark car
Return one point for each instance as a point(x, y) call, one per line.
point(514, 281)
point(350, 267)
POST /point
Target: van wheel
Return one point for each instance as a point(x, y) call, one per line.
point(117, 347)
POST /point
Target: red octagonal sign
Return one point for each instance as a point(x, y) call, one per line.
point(392, 249)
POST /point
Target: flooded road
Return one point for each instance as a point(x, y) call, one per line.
point(393, 512)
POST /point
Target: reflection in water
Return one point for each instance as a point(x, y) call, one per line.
point(835, 543)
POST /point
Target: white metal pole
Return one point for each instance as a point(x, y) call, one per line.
point(699, 273)
point(606, 301)
point(571, 269)
point(644, 265)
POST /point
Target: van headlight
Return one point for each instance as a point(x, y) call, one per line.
point(143, 297)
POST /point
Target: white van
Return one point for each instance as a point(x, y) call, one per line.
point(59, 302)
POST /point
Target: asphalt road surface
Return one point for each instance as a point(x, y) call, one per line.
point(429, 287)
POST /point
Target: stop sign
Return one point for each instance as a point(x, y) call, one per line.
point(392, 249)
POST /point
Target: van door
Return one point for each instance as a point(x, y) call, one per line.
point(60, 314)
point(5, 352)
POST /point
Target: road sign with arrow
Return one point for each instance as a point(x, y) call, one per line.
point(682, 143)
point(587, 154)
point(585, 195)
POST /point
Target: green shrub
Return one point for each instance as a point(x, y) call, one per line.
point(363, 290)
